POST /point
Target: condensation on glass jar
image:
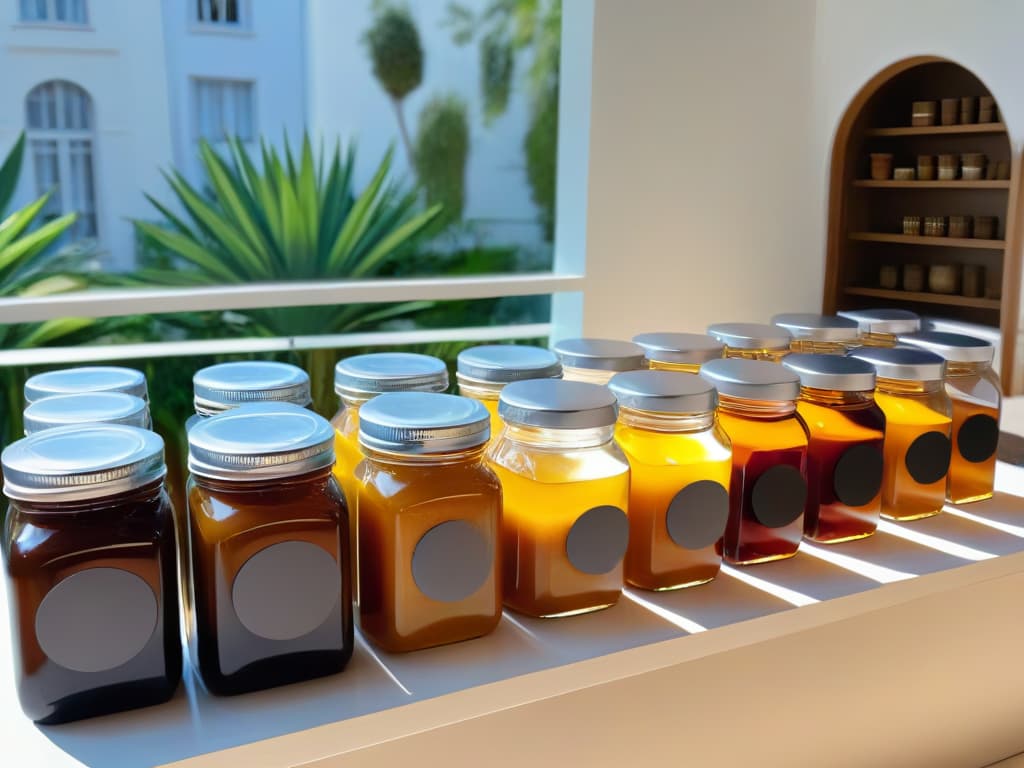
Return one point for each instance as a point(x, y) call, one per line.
point(685, 352)
point(595, 361)
point(768, 492)
point(752, 341)
point(221, 387)
point(845, 428)
point(819, 334)
point(881, 327)
point(482, 372)
point(99, 378)
point(680, 463)
point(89, 555)
point(566, 491)
point(976, 396)
point(918, 419)
point(429, 521)
point(86, 408)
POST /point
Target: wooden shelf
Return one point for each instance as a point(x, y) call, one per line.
point(946, 242)
point(958, 184)
point(937, 130)
point(925, 298)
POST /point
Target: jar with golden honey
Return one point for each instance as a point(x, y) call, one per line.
point(91, 378)
point(844, 453)
point(819, 334)
point(429, 521)
point(752, 341)
point(595, 361)
point(976, 396)
point(86, 408)
point(221, 387)
point(685, 352)
point(566, 493)
point(680, 463)
point(880, 327)
point(918, 419)
point(482, 372)
point(768, 491)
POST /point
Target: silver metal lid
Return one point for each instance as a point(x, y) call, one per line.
point(502, 363)
point(750, 335)
point(378, 372)
point(260, 441)
point(223, 386)
point(423, 422)
point(807, 325)
point(751, 379)
point(98, 378)
point(955, 347)
point(557, 404)
point(883, 320)
point(600, 354)
point(685, 348)
point(663, 392)
point(903, 363)
point(86, 408)
point(843, 374)
point(80, 462)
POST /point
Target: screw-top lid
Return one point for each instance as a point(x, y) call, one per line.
point(884, 320)
point(903, 363)
point(750, 335)
point(684, 348)
point(807, 325)
point(843, 374)
point(955, 347)
point(228, 385)
point(371, 374)
point(751, 379)
point(81, 462)
point(663, 392)
point(98, 378)
point(600, 354)
point(423, 422)
point(502, 363)
point(557, 404)
point(86, 408)
point(260, 441)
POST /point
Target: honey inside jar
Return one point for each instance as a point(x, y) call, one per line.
point(819, 334)
point(752, 341)
point(685, 352)
point(595, 361)
point(882, 327)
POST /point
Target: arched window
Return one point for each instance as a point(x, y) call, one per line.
point(59, 118)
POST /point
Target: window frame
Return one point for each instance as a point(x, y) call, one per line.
point(195, 123)
point(51, 20)
point(242, 28)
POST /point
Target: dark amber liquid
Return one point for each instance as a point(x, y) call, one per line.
point(44, 544)
point(976, 394)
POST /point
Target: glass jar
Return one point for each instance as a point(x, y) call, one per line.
point(976, 397)
point(482, 372)
point(86, 408)
point(269, 549)
point(566, 491)
point(429, 520)
point(221, 387)
point(819, 334)
point(844, 453)
point(752, 341)
point(98, 378)
point(768, 492)
point(880, 327)
point(679, 351)
point(89, 553)
point(918, 419)
point(596, 360)
point(680, 463)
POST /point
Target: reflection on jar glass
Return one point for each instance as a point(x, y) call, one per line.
point(685, 352)
point(823, 334)
point(880, 327)
point(752, 341)
point(595, 361)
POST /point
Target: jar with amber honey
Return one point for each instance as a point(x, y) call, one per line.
point(86, 408)
point(221, 387)
point(680, 464)
point(93, 378)
point(685, 352)
point(429, 520)
point(976, 397)
point(844, 453)
point(269, 549)
point(89, 554)
point(768, 492)
point(918, 420)
point(595, 361)
point(880, 327)
point(752, 341)
point(566, 491)
point(819, 334)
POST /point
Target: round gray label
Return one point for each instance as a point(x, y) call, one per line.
point(451, 561)
point(597, 540)
point(928, 457)
point(96, 619)
point(978, 438)
point(778, 496)
point(697, 515)
point(286, 590)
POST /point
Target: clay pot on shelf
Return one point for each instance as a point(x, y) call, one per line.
point(881, 166)
point(904, 174)
point(972, 281)
point(935, 226)
point(923, 113)
point(950, 111)
point(944, 278)
point(985, 227)
point(911, 225)
point(1002, 170)
point(889, 277)
point(960, 226)
point(949, 165)
point(986, 109)
point(973, 166)
point(913, 277)
point(968, 109)
point(926, 167)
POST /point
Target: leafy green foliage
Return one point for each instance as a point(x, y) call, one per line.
point(441, 152)
point(541, 145)
point(395, 50)
point(497, 66)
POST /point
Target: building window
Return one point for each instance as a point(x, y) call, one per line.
point(223, 109)
point(54, 11)
point(59, 119)
point(218, 12)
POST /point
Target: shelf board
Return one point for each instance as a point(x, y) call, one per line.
point(915, 184)
point(946, 242)
point(925, 298)
point(937, 130)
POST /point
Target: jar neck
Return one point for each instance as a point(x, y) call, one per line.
point(559, 439)
point(966, 369)
point(146, 494)
point(263, 484)
point(424, 459)
point(905, 387)
point(481, 390)
point(818, 347)
point(836, 397)
point(350, 400)
point(756, 409)
point(667, 422)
